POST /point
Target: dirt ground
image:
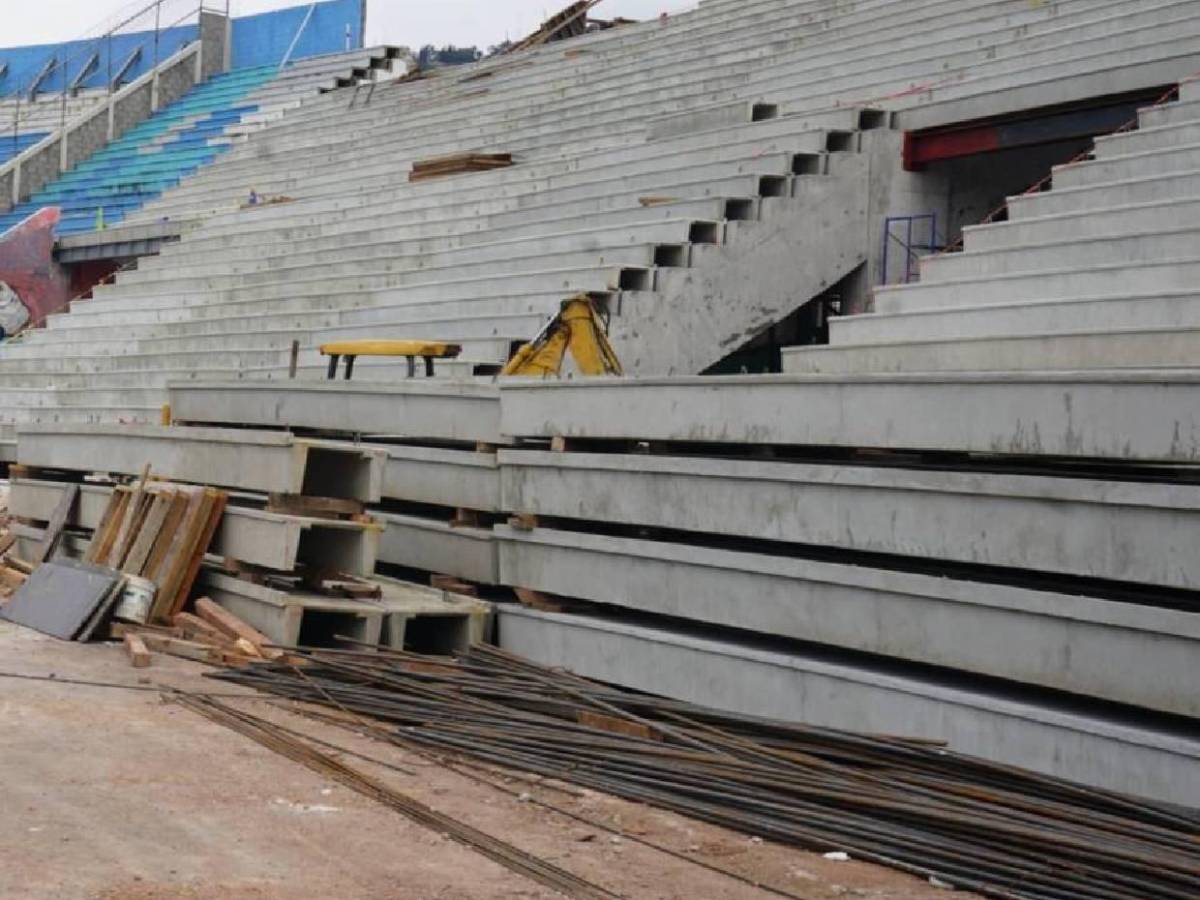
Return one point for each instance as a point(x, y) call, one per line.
point(111, 794)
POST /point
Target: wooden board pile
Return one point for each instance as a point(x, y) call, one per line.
point(457, 164)
point(210, 635)
point(13, 572)
point(160, 532)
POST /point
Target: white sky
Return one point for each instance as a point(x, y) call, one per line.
point(410, 22)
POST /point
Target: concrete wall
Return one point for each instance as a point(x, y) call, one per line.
point(215, 37)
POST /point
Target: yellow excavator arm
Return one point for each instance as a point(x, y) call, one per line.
point(578, 328)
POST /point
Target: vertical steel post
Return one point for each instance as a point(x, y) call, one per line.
point(157, 22)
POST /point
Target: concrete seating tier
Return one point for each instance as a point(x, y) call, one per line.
point(1098, 272)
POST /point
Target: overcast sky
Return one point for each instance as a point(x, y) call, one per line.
point(410, 22)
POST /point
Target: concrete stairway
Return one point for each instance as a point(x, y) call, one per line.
point(1098, 273)
point(656, 164)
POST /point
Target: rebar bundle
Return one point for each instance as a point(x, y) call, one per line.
point(912, 805)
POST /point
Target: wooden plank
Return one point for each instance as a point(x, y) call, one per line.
point(139, 654)
point(149, 533)
point(181, 555)
point(216, 511)
point(234, 628)
point(170, 561)
point(103, 536)
point(58, 522)
point(314, 507)
point(171, 526)
point(139, 506)
point(195, 628)
point(120, 547)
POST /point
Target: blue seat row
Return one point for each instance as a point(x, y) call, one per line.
point(147, 160)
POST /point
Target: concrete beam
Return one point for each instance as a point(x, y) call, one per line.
point(1124, 531)
point(1127, 653)
point(436, 546)
point(442, 476)
point(250, 536)
point(1131, 415)
point(419, 409)
point(265, 461)
point(1058, 740)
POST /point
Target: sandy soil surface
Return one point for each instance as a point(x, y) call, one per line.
point(112, 794)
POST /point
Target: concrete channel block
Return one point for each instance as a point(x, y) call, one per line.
point(1079, 644)
point(269, 462)
point(251, 536)
point(1130, 415)
point(746, 677)
point(1123, 531)
point(294, 619)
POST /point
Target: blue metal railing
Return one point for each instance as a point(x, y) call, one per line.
point(906, 233)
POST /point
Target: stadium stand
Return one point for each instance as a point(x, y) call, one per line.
point(971, 516)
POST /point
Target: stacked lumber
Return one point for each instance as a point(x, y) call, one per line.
point(13, 571)
point(210, 635)
point(457, 164)
point(158, 531)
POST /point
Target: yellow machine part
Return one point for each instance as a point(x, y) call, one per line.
point(577, 328)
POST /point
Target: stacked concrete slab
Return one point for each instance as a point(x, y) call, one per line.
point(672, 169)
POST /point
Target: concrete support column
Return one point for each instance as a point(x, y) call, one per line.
point(215, 44)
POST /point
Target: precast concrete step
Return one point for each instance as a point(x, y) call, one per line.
point(1118, 280)
point(470, 229)
point(1169, 114)
point(565, 283)
point(565, 189)
point(1140, 348)
point(1153, 189)
point(1147, 140)
point(731, 672)
point(1177, 160)
point(192, 320)
point(636, 258)
point(1156, 54)
point(429, 253)
point(1088, 528)
point(275, 353)
point(1161, 311)
point(1119, 221)
point(494, 213)
point(1079, 644)
point(1081, 253)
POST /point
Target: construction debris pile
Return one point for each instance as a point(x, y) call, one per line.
point(915, 806)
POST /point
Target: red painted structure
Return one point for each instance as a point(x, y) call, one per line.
point(27, 265)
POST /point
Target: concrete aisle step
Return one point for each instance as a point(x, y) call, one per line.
point(1079, 351)
point(1155, 311)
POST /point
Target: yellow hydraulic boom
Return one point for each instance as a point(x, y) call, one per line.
point(579, 328)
